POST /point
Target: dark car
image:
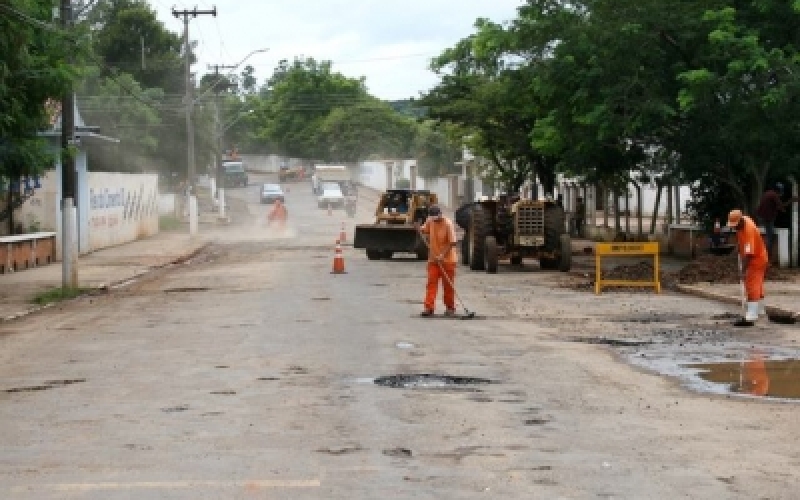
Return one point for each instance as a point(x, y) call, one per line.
point(271, 192)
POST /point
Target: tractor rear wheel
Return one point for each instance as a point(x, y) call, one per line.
point(490, 254)
point(565, 262)
point(465, 249)
point(478, 233)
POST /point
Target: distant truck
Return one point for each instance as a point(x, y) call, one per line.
point(339, 174)
point(233, 174)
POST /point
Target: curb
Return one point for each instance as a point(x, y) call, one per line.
point(727, 299)
point(104, 287)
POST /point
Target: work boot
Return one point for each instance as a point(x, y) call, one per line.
point(450, 312)
point(426, 313)
point(752, 311)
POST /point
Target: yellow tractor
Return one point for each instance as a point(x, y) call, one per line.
point(393, 230)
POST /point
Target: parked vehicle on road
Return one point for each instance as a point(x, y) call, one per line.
point(505, 228)
point(233, 174)
point(271, 192)
point(330, 195)
point(394, 228)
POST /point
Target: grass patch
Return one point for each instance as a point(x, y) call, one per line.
point(59, 294)
point(169, 223)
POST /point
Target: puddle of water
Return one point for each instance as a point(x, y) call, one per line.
point(405, 345)
point(756, 377)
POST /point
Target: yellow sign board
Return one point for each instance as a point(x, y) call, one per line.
point(626, 250)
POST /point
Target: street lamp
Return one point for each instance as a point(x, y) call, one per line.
point(219, 135)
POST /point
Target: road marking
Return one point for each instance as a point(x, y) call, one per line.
point(166, 485)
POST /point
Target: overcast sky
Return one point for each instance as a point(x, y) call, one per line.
point(388, 42)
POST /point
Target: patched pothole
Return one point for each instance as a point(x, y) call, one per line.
point(428, 381)
point(186, 289)
point(50, 384)
point(612, 342)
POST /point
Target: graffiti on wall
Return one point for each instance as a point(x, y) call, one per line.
point(122, 207)
point(110, 207)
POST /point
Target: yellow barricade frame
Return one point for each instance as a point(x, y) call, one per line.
point(626, 250)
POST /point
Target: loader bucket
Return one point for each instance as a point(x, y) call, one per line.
point(387, 238)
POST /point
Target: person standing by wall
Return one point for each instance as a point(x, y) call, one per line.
point(579, 217)
point(754, 261)
point(442, 261)
point(768, 209)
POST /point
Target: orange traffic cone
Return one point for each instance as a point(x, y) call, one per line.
point(338, 260)
point(343, 234)
point(330, 211)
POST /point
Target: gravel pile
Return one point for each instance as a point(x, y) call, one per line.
point(723, 270)
point(704, 269)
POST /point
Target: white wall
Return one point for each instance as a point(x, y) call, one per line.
point(122, 208)
point(42, 207)
point(270, 163)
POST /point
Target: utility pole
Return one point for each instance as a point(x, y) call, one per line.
point(219, 136)
point(69, 253)
point(187, 15)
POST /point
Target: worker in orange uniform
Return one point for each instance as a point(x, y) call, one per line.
point(754, 261)
point(277, 214)
point(442, 260)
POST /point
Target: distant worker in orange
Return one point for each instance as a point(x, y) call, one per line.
point(277, 214)
point(442, 259)
point(754, 261)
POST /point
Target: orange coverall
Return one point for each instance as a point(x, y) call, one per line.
point(442, 236)
point(752, 245)
point(278, 213)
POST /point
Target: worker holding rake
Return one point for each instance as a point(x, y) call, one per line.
point(442, 260)
point(753, 264)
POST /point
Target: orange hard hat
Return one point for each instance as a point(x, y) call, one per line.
point(734, 217)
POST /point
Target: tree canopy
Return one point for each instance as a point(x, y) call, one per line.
point(703, 93)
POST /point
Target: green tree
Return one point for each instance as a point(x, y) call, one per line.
point(300, 96)
point(368, 128)
point(33, 74)
point(128, 37)
point(126, 111)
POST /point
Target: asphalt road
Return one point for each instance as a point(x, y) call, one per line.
point(248, 373)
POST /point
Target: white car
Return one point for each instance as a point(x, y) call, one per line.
point(331, 195)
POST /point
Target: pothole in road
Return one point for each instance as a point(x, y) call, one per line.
point(612, 342)
point(536, 421)
point(428, 381)
point(50, 384)
point(223, 393)
point(175, 409)
point(779, 379)
point(320, 298)
point(187, 289)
